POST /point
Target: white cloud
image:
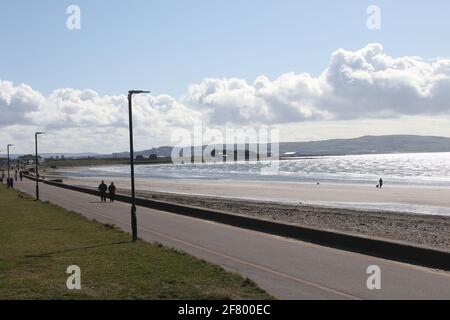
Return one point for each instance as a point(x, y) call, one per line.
point(370, 84)
point(85, 120)
point(365, 84)
point(16, 103)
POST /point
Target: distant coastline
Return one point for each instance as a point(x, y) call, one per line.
point(388, 144)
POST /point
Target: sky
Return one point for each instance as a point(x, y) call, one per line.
point(312, 69)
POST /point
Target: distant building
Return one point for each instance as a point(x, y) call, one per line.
point(290, 154)
point(29, 159)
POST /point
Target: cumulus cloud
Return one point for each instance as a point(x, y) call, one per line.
point(366, 83)
point(85, 118)
point(370, 83)
point(17, 102)
point(363, 84)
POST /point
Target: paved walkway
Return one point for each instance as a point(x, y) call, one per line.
point(288, 269)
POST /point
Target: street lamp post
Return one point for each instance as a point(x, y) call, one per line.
point(133, 194)
point(36, 162)
point(8, 146)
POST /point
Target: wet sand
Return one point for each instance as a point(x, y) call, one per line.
point(291, 192)
point(288, 203)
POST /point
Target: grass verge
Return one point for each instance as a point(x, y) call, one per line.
point(38, 241)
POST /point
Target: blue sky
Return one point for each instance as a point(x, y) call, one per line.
point(167, 45)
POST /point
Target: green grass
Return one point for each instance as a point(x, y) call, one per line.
point(38, 241)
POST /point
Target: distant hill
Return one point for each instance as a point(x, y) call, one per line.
point(160, 152)
point(357, 146)
point(369, 145)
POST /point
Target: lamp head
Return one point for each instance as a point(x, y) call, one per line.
point(131, 92)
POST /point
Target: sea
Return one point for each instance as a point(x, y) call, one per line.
point(425, 169)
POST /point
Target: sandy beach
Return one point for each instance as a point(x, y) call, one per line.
point(293, 192)
point(319, 206)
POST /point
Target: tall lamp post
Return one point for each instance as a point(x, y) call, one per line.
point(8, 146)
point(36, 162)
point(133, 194)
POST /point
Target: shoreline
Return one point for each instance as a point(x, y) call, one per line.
point(425, 200)
point(60, 173)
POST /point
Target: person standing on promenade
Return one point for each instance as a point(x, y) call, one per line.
point(21, 176)
point(10, 183)
point(15, 175)
point(103, 188)
point(112, 192)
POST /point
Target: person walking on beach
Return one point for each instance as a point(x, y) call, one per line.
point(112, 192)
point(102, 188)
point(381, 183)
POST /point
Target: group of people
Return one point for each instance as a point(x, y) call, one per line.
point(18, 175)
point(103, 188)
point(10, 181)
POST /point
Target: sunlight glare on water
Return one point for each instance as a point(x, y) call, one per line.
point(404, 169)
